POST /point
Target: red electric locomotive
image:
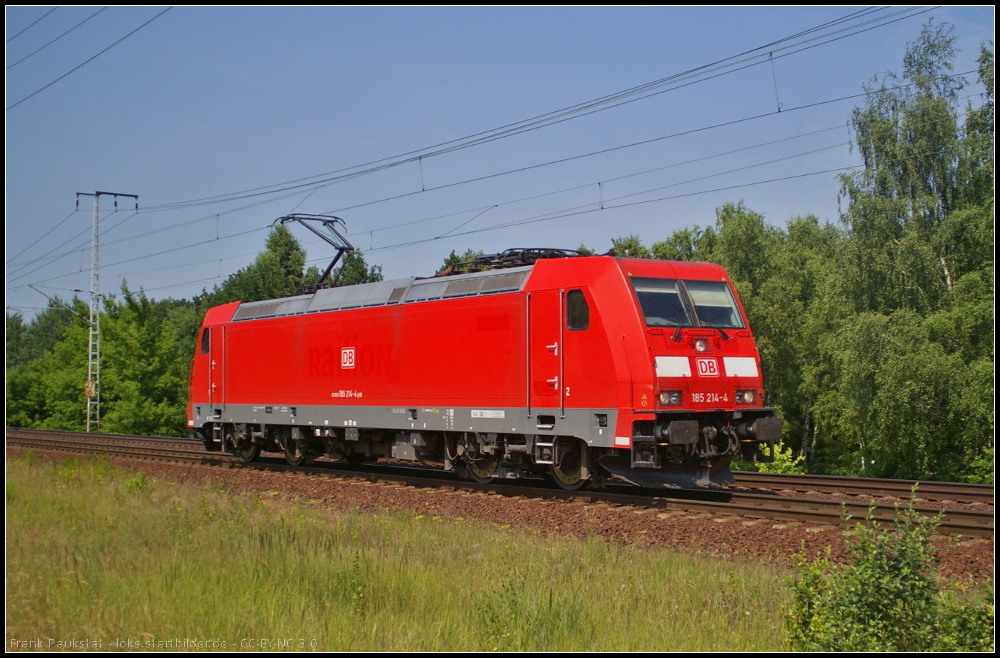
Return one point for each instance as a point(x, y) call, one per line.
point(579, 368)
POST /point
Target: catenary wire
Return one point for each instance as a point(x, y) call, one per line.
point(447, 234)
point(33, 24)
point(853, 15)
point(478, 138)
point(56, 39)
point(578, 210)
point(186, 264)
point(34, 93)
point(577, 187)
point(662, 187)
point(537, 219)
point(146, 234)
point(768, 45)
point(43, 236)
point(627, 146)
point(18, 268)
point(160, 253)
point(543, 164)
point(151, 232)
point(534, 166)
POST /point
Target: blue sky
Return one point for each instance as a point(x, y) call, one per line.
point(212, 101)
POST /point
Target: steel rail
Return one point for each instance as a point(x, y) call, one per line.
point(959, 492)
point(131, 452)
point(829, 484)
point(101, 436)
point(754, 506)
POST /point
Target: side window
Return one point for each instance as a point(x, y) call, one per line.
point(206, 337)
point(577, 311)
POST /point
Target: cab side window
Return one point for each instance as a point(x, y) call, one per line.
point(206, 338)
point(577, 311)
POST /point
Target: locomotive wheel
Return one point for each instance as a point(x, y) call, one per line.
point(248, 451)
point(355, 459)
point(294, 455)
point(568, 473)
point(481, 470)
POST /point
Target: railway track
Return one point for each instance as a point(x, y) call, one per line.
point(736, 504)
point(869, 488)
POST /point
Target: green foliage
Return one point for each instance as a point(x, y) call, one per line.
point(354, 270)
point(276, 272)
point(921, 210)
point(143, 376)
point(887, 599)
point(785, 461)
point(982, 469)
point(68, 472)
point(454, 260)
point(918, 270)
point(631, 247)
point(687, 244)
point(898, 391)
point(48, 391)
point(29, 341)
point(968, 619)
point(745, 244)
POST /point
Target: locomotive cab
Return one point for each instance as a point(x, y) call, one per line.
point(706, 390)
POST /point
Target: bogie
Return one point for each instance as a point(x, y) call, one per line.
point(569, 469)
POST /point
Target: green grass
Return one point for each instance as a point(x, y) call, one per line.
point(93, 552)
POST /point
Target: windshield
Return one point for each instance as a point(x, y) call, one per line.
point(661, 302)
point(714, 304)
point(672, 303)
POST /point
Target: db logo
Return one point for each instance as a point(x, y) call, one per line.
point(708, 367)
point(347, 357)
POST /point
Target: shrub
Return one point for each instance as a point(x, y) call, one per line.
point(887, 599)
point(785, 461)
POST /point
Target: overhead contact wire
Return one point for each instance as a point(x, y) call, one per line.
point(56, 39)
point(544, 218)
point(18, 268)
point(44, 235)
point(498, 133)
point(10, 107)
point(573, 208)
point(33, 24)
point(539, 165)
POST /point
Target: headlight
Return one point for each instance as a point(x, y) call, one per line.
point(700, 344)
point(671, 398)
point(746, 397)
